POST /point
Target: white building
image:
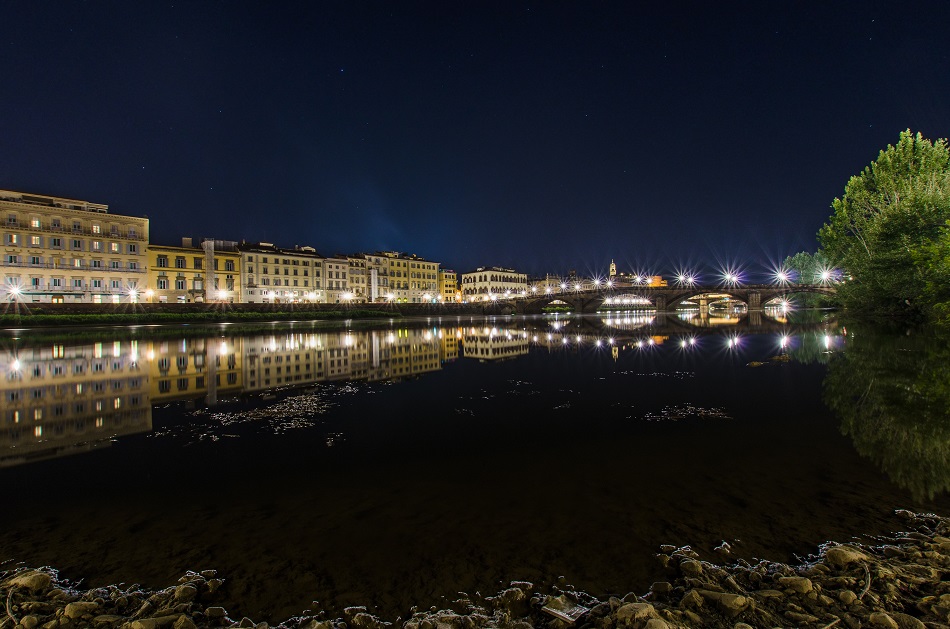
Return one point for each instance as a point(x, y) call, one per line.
point(485, 284)
point(275, 275)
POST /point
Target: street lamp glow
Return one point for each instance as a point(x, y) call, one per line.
point(346, 296)
point(222, 294)
point(782, 276)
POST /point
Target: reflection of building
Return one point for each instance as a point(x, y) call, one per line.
point(493, 344)
point(493, 282)
point(61, 399)
point(63, 250)
point(210, 271)
point(192, 368)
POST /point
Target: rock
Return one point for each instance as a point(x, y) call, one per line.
point(154, 623)
point(656, 623)
point(847, 597)
point(691, 567)
point(80, 609)
point(691, 600)
point(741, 625)
point(769, 594)
point(733, 604)
point(842, 556)
point(880, 619)
point(33, 580)
point(185, 593)
point(906, 621)
point(801, 585)
point(694, 618)
point(215, 612)
point(633, 612)
point(661, 588)
point(801, 619)
point(29, 622)
point(107, 619)
point(366, 621)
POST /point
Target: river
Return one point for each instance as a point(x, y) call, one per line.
point(397, 463)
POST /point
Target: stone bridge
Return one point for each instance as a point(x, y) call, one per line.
point(663, 298)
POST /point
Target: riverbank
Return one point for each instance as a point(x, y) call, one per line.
point(895, 583)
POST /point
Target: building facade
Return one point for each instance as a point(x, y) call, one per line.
point(484, 284)
point(335, 271)
point(448, 286)
point(275, 275)
point(58, 250)
point(207, 272)
point(400, 278)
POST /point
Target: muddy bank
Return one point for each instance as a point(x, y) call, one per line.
point(896, 583)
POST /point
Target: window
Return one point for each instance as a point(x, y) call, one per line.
point(77, 283)
point(36, 241)
point(179, 262)
point(133, 266)
point(179, 284)
point(133, 248)
point(35, 223)
point(36, 260)
point(197, 262)
point(77, 245)
point(57, 224)
point(215, 261)
point(77, 226)
point(116, 284)
point(163, 284)
point(114, 247)
point(56, 243)
point(97, 245)
point(115, 264)
point(13, 239)
point(229, 265)
point(162, 262)
point(96, 229)
point(97, 264)
point(97, 283)
point(57, 282)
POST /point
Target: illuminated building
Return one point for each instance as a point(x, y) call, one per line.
point(58, 250)
point(448, 286)
point(394, 276)
point(207, 272)
point(493, 283)
point(275, 275)
point(493, 344)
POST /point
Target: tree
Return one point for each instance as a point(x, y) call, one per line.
point(885, 230)
point(806, 267)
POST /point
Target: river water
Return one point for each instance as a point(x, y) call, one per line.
point(397, 463)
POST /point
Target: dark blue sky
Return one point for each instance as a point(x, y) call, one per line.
point(542, 135)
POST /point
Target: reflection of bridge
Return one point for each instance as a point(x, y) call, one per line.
point(663, 298)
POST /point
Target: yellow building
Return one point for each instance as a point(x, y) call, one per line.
point(275, 275)
point(393, 276)
point(207, 272)
point(64, 250)
point(448, 286)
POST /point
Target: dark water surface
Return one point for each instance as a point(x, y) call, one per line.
point(399, 464)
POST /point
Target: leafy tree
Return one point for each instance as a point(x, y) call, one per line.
point(885, 229)
point(806, 267)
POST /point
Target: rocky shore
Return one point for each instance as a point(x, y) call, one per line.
point(898, 582)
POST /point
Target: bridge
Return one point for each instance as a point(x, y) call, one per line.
point(662, 298)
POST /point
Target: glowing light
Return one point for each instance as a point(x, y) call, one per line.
point(16, 364)
point(15, 290)
point(596, 282)
point(390, 296)
point(610, 340)
point(597, 342)
point(783, 341)
point(782, 276)
point(346, 296)
point(683, 343)
point(610, 283)
point(563, 286)
point(149, 293)
point(578, 338)
point(577, 286)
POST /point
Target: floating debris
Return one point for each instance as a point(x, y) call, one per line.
point(685, 411)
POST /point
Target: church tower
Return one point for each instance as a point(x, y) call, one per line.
point(613, 269)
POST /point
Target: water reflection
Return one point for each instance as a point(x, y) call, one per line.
point(61, 397)
point(892, 393)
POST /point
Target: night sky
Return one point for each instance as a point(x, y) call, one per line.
point(545, 136)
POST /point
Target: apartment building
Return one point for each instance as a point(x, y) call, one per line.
point(336, 282)
point(205, 272)
point(276, 275)
point(448, 286)
point(401, 278)
point(58, 250)
point(358, 279)
point(494, 282)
